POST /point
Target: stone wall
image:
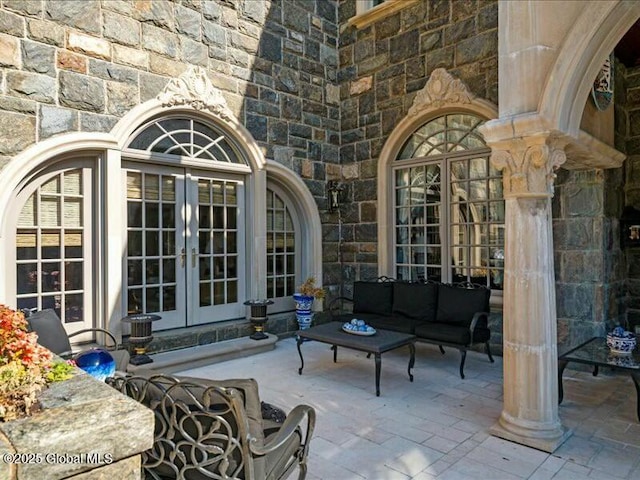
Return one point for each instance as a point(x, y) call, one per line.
point(382, 67)
point(589, 263)
point(628, 118)
point(68, 66)
point(80, 66)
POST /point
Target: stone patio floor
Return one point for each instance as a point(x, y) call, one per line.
point(437, 426)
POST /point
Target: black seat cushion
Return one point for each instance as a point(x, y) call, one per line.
point(448, 333)
point(369, 318)
point(417, 301)
point(457, 305)
point(397, 323)
point(372, 297)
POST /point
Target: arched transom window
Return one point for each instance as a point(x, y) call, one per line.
point(186, 137)
point(448, 205)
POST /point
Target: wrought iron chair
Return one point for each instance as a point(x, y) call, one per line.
point(52, 335)
point(215, 429)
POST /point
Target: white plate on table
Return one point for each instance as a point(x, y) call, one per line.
point(358, 332)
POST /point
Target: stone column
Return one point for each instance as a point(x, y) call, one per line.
point(530, 414)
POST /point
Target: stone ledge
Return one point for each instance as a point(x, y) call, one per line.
point(83, 427)
point(201, 355)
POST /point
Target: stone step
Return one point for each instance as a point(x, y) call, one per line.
point(192, 357)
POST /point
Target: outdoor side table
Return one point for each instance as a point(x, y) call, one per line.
point(595, 352)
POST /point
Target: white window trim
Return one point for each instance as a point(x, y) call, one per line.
point(366, 14)
point(310, 234)
point(282, 304)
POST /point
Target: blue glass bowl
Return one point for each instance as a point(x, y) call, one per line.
point(97, 362)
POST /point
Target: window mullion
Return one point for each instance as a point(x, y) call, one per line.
point(445, 223)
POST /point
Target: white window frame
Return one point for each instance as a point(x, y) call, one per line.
point(109, 151)
point(446, 222)
point(88, 165)
point(286, 303)
point(367, 13)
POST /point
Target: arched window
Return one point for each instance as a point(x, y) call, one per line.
point(283, 249)
point(54, 244)
point(166, 214)
point(186, 137)
point(448, 205)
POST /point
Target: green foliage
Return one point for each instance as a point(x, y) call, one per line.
point(60, 371)
point(25, 366)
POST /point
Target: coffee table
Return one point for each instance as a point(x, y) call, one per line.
point(595, 352)
point(382, 341)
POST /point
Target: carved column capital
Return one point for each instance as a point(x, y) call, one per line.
point(528, 164)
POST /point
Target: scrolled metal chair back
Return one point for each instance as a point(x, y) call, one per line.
point(200, 431)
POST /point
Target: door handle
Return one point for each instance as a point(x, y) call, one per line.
point(193, 258)
point(183, 254)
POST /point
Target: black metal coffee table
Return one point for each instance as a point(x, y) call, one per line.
point(595, 352)
point(382, 341)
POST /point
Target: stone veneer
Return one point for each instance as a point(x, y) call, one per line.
point(628, 120)
point(320, 97)
point(589, 263)
point(382, 67)
point(70, 66)
point(80, 417)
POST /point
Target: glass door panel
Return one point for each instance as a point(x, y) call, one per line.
point(184, 254)
point(216, 247)
point(155, 259)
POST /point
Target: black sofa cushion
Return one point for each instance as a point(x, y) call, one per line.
point(372, 297)
point(367, 317)
point(447, 333)
point(396, 324)
point(456, 305)
point(417, 301)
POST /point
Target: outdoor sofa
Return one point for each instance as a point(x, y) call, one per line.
point(454, 315)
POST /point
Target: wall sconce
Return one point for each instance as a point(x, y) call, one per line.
point(334, 191)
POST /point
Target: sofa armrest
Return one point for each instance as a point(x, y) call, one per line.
point(336, 301)
point(293, 421)
point(480, 319)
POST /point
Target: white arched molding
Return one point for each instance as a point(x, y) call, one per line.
point(34, 159)
point(594, 35)
point(307, 210)
point(442, 94)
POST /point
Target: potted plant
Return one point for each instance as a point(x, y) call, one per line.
point(304, 298)
point(25, 367)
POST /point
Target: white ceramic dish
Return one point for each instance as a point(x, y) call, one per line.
point(357, 332)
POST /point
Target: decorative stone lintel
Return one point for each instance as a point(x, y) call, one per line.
point(442, 88)
point(193, 88)
point(528, 164)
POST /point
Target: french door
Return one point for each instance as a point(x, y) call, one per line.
point(184, 255)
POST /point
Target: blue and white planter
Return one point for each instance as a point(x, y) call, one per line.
point(304, 315)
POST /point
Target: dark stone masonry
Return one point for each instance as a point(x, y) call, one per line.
point(320, 97)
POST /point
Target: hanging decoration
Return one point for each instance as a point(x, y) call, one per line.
point(602, 90)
